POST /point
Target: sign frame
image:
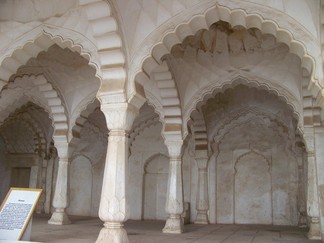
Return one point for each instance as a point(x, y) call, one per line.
point(31, 211)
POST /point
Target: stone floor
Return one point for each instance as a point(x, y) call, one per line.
point(85, 229)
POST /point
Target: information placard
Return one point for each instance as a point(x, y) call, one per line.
point(16, 212)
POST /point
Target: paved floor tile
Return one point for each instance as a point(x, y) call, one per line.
point(86, 230)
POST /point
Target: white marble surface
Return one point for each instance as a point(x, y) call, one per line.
point(241, 80)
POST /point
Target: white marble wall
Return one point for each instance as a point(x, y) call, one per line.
point(148, 150)
point(80, 187)
point(87, 166)
point(148, 170)
point(254, 168)
point(258, 187)
point(85, 187)
point(155, 187)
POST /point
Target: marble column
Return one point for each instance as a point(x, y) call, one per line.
point(202, 204)
point(114, 210)
point(312, 197)
point(319, 148)
point(174, 202)
point(60, 200)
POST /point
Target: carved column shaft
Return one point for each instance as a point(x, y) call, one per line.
point(319, 147)
point(202, 204)
point(61, 190)
point(60, 200)
point(312, 197)
point(113, 207)
point(174, 203)
point(113, 210)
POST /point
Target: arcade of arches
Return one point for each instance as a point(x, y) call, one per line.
point(187, 111)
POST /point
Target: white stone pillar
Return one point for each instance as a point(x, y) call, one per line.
point(312, 197)
point(202, 204)
point(319, 148)
point(114, 210)
point(174, 202)
point(60, 200)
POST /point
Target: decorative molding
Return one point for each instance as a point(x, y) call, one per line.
point(202, 96)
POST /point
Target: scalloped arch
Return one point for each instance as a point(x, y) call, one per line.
point(151, 158)
point(236, 17)
point(211, 90)
point(83, 113)
point(243, 118)
point(248, 153)
point(38, 133)
point(55, 107)
point(136, 131)
point(23, 100)
point(40, 39)
point(26, 126)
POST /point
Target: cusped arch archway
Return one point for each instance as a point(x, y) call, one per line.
point(236, 18)
point(203, 95)
point(40, 39)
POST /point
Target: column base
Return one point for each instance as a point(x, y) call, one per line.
point(314, 232)
point(173, 225)
point(201, 218)
point(112, 233)
point(59, 217)
point(302, 222)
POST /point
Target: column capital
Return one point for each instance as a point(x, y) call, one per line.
point(201, 154)
point(119, 116)
point(309, 139)
point(319, 130)
point(62, 146)
point(174, 147)
point(201, 158)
